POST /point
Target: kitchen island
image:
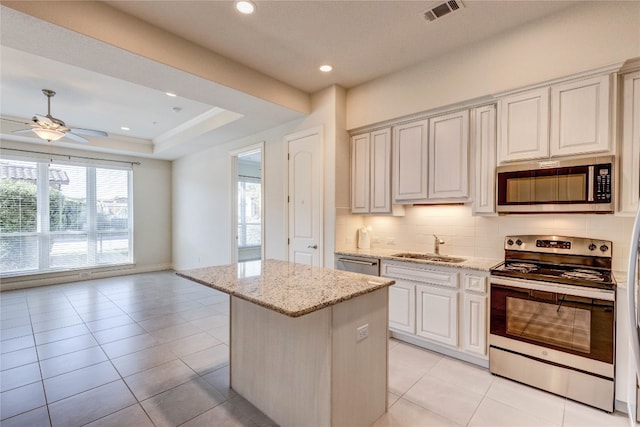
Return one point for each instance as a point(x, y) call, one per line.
point(308, 345)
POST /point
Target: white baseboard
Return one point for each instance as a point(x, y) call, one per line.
point(412, 339)
point(56, 278)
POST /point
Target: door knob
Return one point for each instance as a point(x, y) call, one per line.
point(313, 246)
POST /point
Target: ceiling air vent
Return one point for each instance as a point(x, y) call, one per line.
point(443, 9)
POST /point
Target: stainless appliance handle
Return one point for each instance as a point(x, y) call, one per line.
point(590, 184)
point(558, 288)
point(632, 288)
point(354, 261)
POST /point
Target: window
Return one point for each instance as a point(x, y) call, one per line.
point(63, 216)
point(249, 212)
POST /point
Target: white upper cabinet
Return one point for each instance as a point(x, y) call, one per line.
point(431, 160)
point(380, 181)
point(484, 145)
point(449, 157)
point(580, 117)
point(360, 173)
point(524, 125)
point(559, 120)
point(410, 162)
point(630, 144)
point(371, 172)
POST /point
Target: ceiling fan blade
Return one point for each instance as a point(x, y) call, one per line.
point(22, 122)
point(90, 132)
point(23, 131)
point(43, 120)
point(76, 138)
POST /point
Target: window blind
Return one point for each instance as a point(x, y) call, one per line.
point(63, 216)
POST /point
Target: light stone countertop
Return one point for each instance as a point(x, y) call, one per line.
point(471, 263)
point(287, 288)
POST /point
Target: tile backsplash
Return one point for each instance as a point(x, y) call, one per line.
point(480, 236)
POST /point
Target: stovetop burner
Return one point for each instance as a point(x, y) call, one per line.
point(584, 274)
point(521, 267)
point(566, 260)
point(556, 274)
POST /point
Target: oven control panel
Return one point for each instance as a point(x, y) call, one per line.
point(559, 245)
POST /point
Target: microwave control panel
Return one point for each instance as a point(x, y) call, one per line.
point(602, 190)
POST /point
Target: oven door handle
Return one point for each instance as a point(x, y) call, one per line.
point(601, 294)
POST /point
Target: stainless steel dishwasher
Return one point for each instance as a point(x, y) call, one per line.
point(358, 264)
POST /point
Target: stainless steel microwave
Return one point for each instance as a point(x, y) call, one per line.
point(576, 185)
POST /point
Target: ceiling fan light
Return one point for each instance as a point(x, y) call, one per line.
point(48, 134)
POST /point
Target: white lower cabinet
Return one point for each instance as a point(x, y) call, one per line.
point(402, 306)
point(439, 308)
point(474, 313)
point(437, 314)
point(474, 328)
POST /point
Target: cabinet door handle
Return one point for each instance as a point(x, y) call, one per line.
point(313, 246)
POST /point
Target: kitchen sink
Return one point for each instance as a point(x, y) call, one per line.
point(429, 257)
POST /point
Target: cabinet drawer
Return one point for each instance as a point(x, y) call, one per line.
point(436, 277)
point(475, 283)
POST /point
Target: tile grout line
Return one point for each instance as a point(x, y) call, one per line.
point(121, 378)
point(125, 382)
point(35, 347)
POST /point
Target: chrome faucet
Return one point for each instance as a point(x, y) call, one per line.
point(437, 244)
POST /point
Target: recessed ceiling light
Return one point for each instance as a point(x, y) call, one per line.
point(171, 94)
point(246, 7)
point(326, 68)
point(125, 128)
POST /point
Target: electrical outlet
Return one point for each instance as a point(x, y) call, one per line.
point(362, 332)
point(85, 275)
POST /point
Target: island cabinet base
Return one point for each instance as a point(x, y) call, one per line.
point(312, 370)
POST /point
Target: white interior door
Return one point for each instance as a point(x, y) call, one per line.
point(305, 197)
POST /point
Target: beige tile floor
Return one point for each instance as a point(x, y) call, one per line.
point(152, 349)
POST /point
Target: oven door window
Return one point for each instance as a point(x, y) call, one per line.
point(578, 325)
point(558, 325)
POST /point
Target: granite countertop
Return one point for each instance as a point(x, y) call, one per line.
point(288, 288)
point(471, 263)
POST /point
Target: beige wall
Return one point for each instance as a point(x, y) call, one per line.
point(584, 37)
point(202, 186)
point(201, 189)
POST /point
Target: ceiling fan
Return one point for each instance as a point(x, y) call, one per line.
point(52, 129)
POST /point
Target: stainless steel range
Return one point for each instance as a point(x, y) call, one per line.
point(552, 317)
